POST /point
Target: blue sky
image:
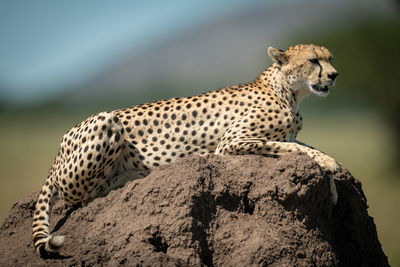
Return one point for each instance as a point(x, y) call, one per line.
point(47, 46)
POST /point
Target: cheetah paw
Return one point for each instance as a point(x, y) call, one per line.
point(328, 164)
point(333, 189)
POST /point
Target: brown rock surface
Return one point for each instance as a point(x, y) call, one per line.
point(213, 211)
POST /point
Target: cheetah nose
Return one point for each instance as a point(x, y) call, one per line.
point(333, 75)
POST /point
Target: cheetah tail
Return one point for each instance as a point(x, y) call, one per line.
point(44, 242)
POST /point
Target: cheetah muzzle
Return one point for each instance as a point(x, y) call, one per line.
point(260, 117)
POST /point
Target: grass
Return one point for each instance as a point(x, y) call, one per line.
point(357, 138)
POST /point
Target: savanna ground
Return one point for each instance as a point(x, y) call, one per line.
point(357, 138)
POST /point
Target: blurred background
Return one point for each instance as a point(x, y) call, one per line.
point(61, 62)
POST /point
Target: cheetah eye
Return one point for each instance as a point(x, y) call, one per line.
point(313, 60)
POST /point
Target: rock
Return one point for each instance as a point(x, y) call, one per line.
point(210, 211)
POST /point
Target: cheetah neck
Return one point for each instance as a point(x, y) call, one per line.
point(274, 80)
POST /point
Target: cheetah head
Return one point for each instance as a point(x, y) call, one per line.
point(306, 68)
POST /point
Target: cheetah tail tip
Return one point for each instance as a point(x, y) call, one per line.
point(54, 243)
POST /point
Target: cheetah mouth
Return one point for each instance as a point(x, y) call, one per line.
point(320, 90)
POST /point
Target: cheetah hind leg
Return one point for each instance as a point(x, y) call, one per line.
point(98, 155)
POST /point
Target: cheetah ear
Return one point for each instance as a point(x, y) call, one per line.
point(277, 56)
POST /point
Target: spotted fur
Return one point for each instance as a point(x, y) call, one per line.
point(260, 117)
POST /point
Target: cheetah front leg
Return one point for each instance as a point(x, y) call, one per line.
point(262, 146)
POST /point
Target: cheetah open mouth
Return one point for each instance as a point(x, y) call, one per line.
point(320, 90)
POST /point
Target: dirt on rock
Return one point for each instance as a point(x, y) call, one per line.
point(210, 211)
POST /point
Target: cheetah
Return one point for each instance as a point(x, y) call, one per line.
point(260, 117)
